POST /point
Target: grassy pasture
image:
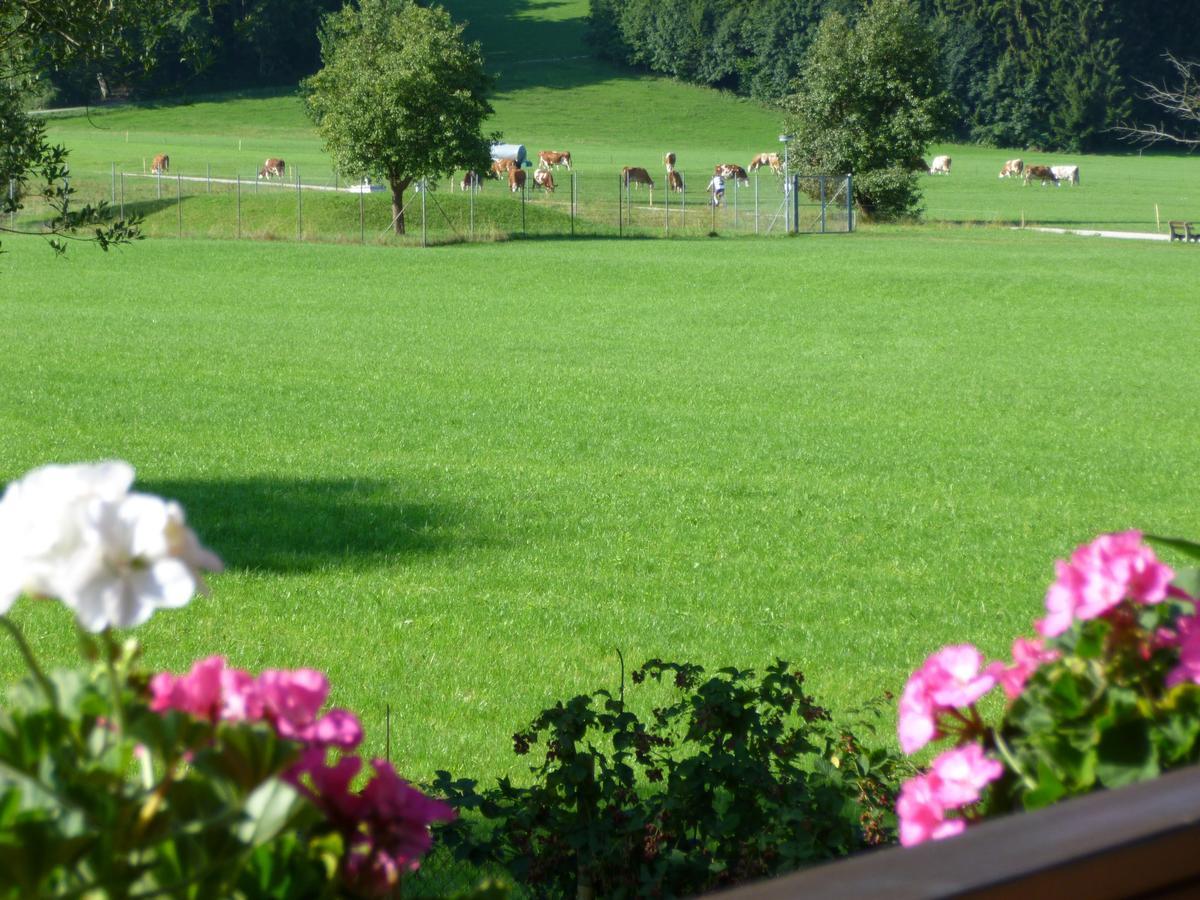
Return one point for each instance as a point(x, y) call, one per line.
point(458, 479)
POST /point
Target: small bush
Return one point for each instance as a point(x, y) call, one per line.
point(741, 777)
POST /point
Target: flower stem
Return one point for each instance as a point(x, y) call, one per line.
point(30, 660)
point(110, 654)
point(1011, 761)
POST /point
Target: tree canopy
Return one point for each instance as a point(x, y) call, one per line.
point(400, 96)
point(870, 102)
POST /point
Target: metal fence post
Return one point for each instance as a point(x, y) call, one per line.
point(179, 201)
point(620, 212)
point(574, 199)
point(849, 203)
point(299, 208)
point(158, 179)
point(362, 227)
point(736, 182)
point(12, 202)
point(756, 203)
point(122, 195)
point(795, 204)
point(424, 186)
point(239, 205)
point(822, 177)
point(471, 208)
point(114, 184)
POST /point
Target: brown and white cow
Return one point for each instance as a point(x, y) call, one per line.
point(636, 176)
point(548, 159)
point(500, 166)
point(674, 181)
point(272, 168)
point(1042, 173)
point(1014, 168)
point(767, 159)
point(470, 182)
point(730, 170)
point(940, 165)
point(516, 180)
point(160, 165)
point(669, 161)
point(544, 179)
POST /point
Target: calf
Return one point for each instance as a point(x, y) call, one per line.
point(516, 180)
point(1069, 174)
point(470, 182)
point(549, 158)
point(272, 168)
point(669, 161)
point(636, 176)
point(729, 170)
point(161, 164)
point(544, 179)
point(1013, 168)
point(674, 181)
point(940, 165)
point(500, 166)
point(767, 159)
point(1042, 173)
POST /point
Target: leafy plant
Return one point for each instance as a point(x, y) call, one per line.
point(740, 777)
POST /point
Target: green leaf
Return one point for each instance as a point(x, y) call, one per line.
point(1049, 788)
point(269, 809)
point(1126, 754)
point(1187, 548)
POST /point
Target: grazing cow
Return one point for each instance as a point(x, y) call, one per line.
point(729, 170)
point(500, 166)
point(767, 159)
point(544, 179)
point(515, 152)
point(1069, 174)
point(1014, 168)
point(160, 165)
point(470, 182)
point(1043, 173)
point(669, 161)
point(674, 181)
point(940, 165)
point(516, 180)
point(635, 176)
point(272, 168)
point(548, 159)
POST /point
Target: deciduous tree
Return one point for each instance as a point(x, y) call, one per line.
point(400, 97)
point(870, 102)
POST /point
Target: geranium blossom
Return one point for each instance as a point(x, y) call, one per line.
point(1099, 576)
point(1188, 639)
point(962, 773)
point(949, 679)
point(76, 533)
point(922, 815)
point(1028, 656)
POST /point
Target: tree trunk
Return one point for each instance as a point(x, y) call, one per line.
point(399, 186)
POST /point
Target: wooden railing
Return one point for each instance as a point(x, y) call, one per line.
point(1137, 841)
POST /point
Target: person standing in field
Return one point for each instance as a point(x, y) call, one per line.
point(717, 188)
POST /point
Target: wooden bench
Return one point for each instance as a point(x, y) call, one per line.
point(1184, 231)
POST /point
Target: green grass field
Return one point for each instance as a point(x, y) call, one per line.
point(460, 479)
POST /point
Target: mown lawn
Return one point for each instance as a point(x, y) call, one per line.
point(459, 479)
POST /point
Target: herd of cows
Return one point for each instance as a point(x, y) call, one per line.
point(508, 161)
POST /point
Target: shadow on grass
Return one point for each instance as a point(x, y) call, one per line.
point(299, 525)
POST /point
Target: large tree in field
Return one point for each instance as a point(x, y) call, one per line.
point(400, 97)
point(870, 102)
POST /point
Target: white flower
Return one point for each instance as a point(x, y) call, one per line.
point(114, 557)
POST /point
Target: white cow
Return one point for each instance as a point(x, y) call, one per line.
point(1069, 174)
point(940, 165)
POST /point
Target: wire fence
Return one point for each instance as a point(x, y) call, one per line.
point(560, 203)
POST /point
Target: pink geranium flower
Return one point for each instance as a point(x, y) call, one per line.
point(949, 679)
point(1028, 656)
point(293, 699)
point(922, 814)
point(1099, 576)
point(962, 773)
point(197, 693)
point(1188, 639)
